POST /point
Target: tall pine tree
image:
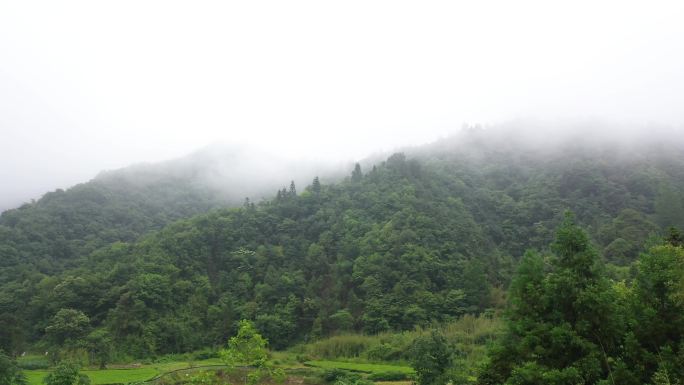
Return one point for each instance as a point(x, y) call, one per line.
point(561, 326)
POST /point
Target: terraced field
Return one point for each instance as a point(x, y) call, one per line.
point(124, 376)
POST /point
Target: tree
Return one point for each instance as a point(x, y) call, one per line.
point(659, 313)
point(11, 331)
point(277, 327)
point(356, 174)
point(100, 346)
point(316, 185)
point(562, 326)
point(475, 285)
point(66, 374)
point(342, 320)
point(67, 326)
point(674, 237)
point(669, 206)
point(431, 358)
point(10, 374)
point(248, 347)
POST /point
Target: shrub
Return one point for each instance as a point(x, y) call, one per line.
point(334, 375)
point(33, 363)
point(66, 374)
point(203, 377)
point(205, 354)
point(431, 358)
point(302, 358)
point(340, 346)
point(10, 374)
point(344, 377)
point(388, 376)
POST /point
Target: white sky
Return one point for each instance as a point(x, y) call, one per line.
point(94, 85)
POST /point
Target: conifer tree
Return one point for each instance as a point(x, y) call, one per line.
point(316, 185)
point(561, 324)
point(356, 174)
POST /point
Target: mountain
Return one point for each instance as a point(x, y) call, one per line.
point(425, 235)
point(121, 205)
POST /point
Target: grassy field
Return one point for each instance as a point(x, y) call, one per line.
point(114, 376)
point(106, 376)
point(360, 367)
point(148, 372)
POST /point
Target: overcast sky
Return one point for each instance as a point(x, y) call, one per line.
point(93, 85)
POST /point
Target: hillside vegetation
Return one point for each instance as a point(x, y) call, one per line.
point(425, 236)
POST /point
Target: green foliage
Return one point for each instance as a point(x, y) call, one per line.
point(342, 320)
point(203, 377)
point(663, 377)
point(421, 238)
point(33, 362)
point(348, 346)
point(563, 325)
point(567, 324)
point(669, 206)
point(431, 358)
point(66, 374)
point(344, 377)
point(248, 348)
point(388, 376)
point(657, 304)
point(332, 375)
point(67, 327)
point(469, 335)
point(358, 367)
point(10, 373)
point(165, 371)
point(99, 344)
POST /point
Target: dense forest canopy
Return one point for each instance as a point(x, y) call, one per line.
point(122, 205)
point(423, 236)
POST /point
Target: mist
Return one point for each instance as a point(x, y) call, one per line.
point(90, 86)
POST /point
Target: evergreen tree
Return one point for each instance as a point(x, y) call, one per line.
point(656, 345)
point(316, 185)
point(356, 174)
point(669, 206)
point(561, 326)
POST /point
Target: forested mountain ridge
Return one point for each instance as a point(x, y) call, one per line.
point(417, 238)
point(620, 189)
point(122, 205)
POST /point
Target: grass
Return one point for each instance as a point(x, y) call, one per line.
point(123, 376)
point(33, 361)
point(148, 372)
point(359, 367)
point(388, 351)
point(470, 333)
point(394, 382)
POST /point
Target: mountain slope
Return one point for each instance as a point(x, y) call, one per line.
point(121, 205)
point(411, 240)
